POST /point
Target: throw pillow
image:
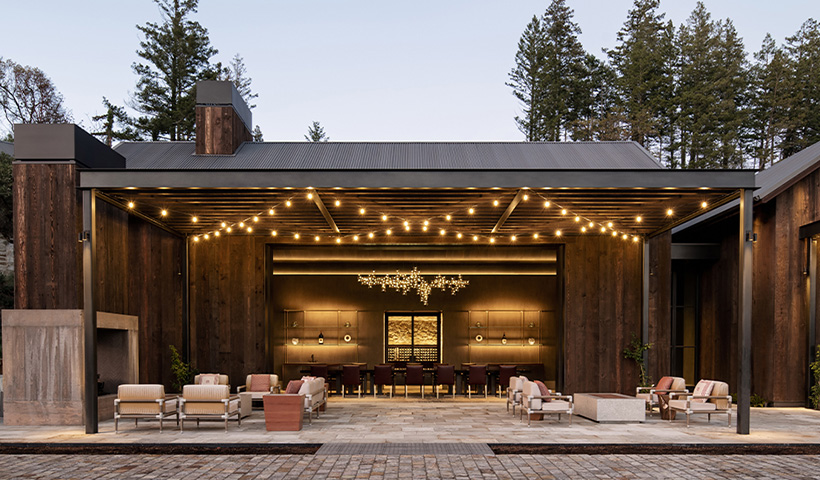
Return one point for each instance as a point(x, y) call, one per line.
point(544, 390)
point(260, 383)
point(665, 383)
point(294, 386)
point(703, 388)
point(209, 379)
point(306, 378)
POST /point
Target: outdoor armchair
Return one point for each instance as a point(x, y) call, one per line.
point(535, 402)
point(208, 402)
point(710, 397)
point(313, 388)
point(259, 385)
point(665, 386)
point(211, 379)
point(514, 392)
point(143, 401)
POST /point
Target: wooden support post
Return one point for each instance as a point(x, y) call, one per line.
point(645, 301)
point(744, 304)
point(89, 240)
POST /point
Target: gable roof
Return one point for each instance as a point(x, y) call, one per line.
point(392, 156)
point(787, 172)
point(7, 148)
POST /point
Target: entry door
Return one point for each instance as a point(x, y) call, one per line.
point(412, 337)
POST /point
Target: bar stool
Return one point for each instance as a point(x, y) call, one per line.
point(351, 376)
point(478, 376)
point(505, 372)
point(445, 375)
point(414, 376)
point(383, 375)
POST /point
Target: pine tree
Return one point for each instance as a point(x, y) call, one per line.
point(731, 85)
point(564, 71)
point(771, 78)
point(643, 61)
point(804, 51)
point(599, 117)
point(316, 133)
point(237, 73)
point(113, 124)
point(525, 80)
point(177, 54)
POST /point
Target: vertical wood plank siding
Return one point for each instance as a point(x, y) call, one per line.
point(219, 131)
point(660, 303)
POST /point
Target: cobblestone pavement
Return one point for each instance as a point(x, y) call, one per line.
point(202, 467)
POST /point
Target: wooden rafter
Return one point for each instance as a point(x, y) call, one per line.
point(319, 203)
point(504, 216)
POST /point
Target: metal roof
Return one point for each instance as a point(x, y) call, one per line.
point(786, 172)
point(393, 156)
point(7, 148)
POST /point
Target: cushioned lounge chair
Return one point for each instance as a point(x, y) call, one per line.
point(208, 402)
point(710, 397)
point(535, 402)
point(665, 386)
point(514, 392)
point(143, 401)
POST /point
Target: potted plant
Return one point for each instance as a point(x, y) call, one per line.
point(182, 372)
point(814, 394)
point(635, 352)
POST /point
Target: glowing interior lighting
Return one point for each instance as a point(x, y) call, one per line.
point(131, 205)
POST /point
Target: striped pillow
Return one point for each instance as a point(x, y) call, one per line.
point(703, 388)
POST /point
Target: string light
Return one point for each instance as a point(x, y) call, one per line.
point(703, 204)
point(449, 217)
point(310, 196)
point(384, 218)
point(361, 211)
point(634, 239)
point(638, 219)
point(442, 232)
point(255, 219)
point(216, 233)
point(535, 236)
point(424, 228)
point(563, 211)
point(206, 236)
point(250, 229)
point(389, 232)
point(241, 224)
point(614, 234)
point(558, 233)
point(407, 227)
point(547, 204)
point(316, 238)
point(577, 219)
point(669, 212)
point(406, 223)
point(492, 240)
point(271, 212)
point(224, 225)
point(513, 238)
point(194, 219)
point(591, 224)
point(583, 229)
point(370, 235)
point(338, 203)
point(273, 233)
point(288, 203)
point(458, 235)
point(625, 236)
point(130, 204)
point(526, 197)
point(228, 229)
point(338, 240)
point(196, 239)
point(471, 211)
point(296, 236)
point(426, 223)
point(164, 213)
point(355, 238)
point(475, 238)
point(609, 224)
point(603, 229)
point(495, 203)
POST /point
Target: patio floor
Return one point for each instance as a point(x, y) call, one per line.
point(445, 421)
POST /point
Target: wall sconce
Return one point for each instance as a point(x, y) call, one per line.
point(531, 341)
point(504, 339)
point(321, 339)
point(294, 341)
point(347, 338)
point(479, 338)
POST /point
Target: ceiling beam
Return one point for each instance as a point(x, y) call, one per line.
point(319, 203)
point(504, 216)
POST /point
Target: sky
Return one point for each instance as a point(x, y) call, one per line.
point(367, 70)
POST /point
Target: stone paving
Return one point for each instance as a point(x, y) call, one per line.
point(202, 467)
point(444, 421)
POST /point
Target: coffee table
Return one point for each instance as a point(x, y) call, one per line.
point(609, 407)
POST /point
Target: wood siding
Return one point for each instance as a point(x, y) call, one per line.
point(47, 222)
point(660, 305)
point(602, 311)
point(219, 131)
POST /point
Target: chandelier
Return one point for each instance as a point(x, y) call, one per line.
point(404, 282)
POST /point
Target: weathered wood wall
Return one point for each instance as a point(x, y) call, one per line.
point(602, 311)
point(228, 312)
point(660, 305)
point(219, 131)
point(47, 222)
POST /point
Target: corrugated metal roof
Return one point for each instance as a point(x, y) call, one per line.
point(786, 172)
point(7, 148)
point(393, 156)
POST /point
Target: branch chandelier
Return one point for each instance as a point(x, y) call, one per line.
point(404, 282)
point(250, 225)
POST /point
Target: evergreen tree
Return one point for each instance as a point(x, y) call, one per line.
point(237, 73)
point(771, 78)
point(113, 124)
point(643, 61)
point(731, 85)
point(564, 71)
point(599, 118)
point(804, 51)
point(257, 134)
point(177, 54)
point(316, 133)
point(525, 80)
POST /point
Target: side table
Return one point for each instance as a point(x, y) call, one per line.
point(245, 404)
point(284, 412)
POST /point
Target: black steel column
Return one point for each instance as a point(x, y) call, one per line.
point(645, 301)
point(186, 308)
point(744, 304)
point(89, 309)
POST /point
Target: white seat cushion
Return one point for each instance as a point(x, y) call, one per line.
point(694, 406)
point(555, 406)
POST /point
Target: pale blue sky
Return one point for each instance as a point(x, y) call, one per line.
point(367, 70)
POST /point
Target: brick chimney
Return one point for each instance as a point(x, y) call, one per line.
point(223, 119)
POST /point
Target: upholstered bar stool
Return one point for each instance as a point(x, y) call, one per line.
point(351, 377)
point(414, 376)
point(445, 375)
point(478, 376)
point(505, 372)
point(383, 375)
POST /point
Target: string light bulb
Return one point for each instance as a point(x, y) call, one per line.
point(406, 223)
point(583, 229)
point(338, 240)
point(513, 238)
point(424, 228)
point(370, 235)
point(255, 218)
point(389, 232)
point(241, 224)
point(250, 229)
point(609, 224)
point(196, 239)
point(194, 219)
point(316, 238)
point(164, 213)
point(338, 203)
point(310, 196)
point(558, 233)
point(216, 233)
point(547, 204)
point(475, 238)
point(206, 236)
point(442, 232)
point(458, 235)
point(526, 197)
point(614, 234)
point(228, 229)
point(296, 236)
point(384, 218)
point(426, 223)
point(471, 211)
point(361, 211)
point(448, 217)
point(603, 229)
point(591, 224)
point(492, 240)
point(273, 233)
point(355, 238)
point(669, 212)
point(577, 219)
point(563, 211)
point(634, 239)
point(407, 227)
point(495, 203)
point(625, 236)
point(703, 204)
point(535, 236)
point(638, 219)
point(224, 225)
point(271, 212)
point(288, 203)
point(131, 205)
